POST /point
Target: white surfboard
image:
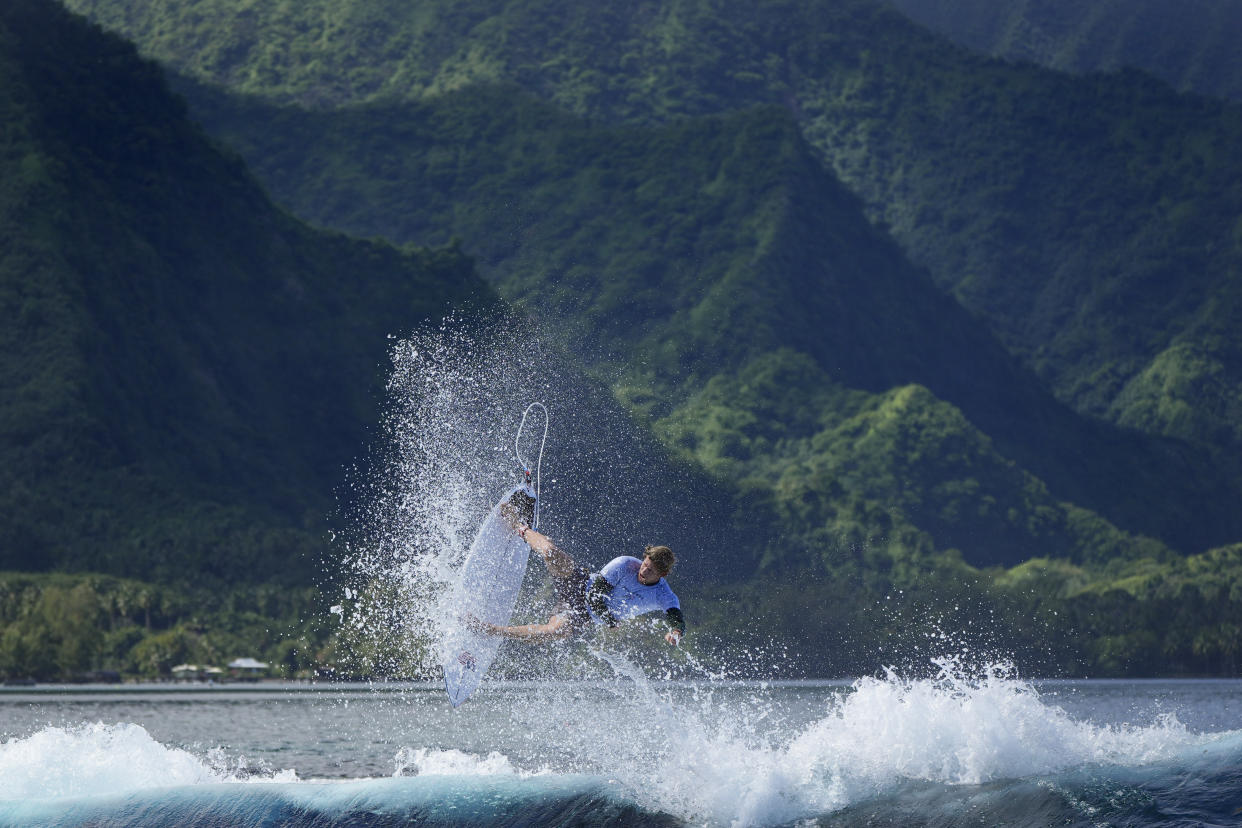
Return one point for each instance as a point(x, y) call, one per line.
point(487, 588)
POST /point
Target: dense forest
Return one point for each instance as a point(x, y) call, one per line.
point(1091, 221)
point(632, 244)
point(1190, 44)
point(837, 342)
point(169, 338)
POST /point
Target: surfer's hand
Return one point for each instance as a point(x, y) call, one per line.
point(476, 624)
point(672, 637)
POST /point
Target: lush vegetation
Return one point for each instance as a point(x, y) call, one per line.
point(77, 627)
point(1051, 618)
point(1092, 222)
point(184, 369)
point(1192, 46)
point(1142, 617)
point(715, 249)
point(653, 186)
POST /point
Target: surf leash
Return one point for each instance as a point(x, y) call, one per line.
point(517, 451)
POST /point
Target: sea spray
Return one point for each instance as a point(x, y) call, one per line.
point(103, 759)
point(738, 755)
point(430, 762)
point(455, 398)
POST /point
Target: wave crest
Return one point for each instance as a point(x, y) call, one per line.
point(98, 759)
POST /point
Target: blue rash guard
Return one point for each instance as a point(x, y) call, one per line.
point(615, 594)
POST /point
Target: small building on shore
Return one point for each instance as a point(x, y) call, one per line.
point(186, 672)
point(248, 669)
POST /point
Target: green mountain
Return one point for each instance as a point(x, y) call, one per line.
point(185, 369)
point(1190, 45)
point(1091, 222)
point(717, 253)
point(689, 266)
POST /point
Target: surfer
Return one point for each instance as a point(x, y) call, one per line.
point(626, 588)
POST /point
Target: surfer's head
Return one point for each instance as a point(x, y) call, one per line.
point(657, 562)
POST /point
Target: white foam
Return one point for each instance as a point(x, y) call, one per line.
point(956, 731)
point(98, 759)
point(429, 762)
point(94, 759)
point(719, 762)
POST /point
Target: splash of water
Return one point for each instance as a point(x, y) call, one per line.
point(98, 758)
point(454, 399)
point(429, 762)
point(730, 757)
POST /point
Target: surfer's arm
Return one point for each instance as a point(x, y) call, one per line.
point(537, 541)
point(676, 620)
point(554, 629)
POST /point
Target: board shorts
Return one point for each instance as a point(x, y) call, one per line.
point(571, 597)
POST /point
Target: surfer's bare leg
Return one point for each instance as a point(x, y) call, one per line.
point(518, 512)
point(558, 562)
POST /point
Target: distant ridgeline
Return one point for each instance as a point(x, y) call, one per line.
point(1091, 221)
point(1191, 44)
point(729, 212)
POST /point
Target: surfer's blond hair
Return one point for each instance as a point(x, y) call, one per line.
point(662, 557)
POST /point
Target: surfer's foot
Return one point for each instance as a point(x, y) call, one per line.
point(519, 510)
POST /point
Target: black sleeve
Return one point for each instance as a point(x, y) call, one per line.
point(676, 620)
point(597, 599)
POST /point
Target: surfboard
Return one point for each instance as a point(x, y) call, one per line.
point(487, 588)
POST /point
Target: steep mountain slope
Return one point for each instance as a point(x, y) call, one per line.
point(675, 259)
point(1092, 222)
point(1191, 45)
point(190, 372)
point(185, 369)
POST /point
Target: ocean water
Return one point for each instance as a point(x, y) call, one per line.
point(949, 750)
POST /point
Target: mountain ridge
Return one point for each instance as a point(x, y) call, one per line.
point(582, 223)
point(124, 208)
point(1044, 203)
point(1189, 45)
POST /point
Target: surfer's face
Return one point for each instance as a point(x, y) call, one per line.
point(647, 573)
